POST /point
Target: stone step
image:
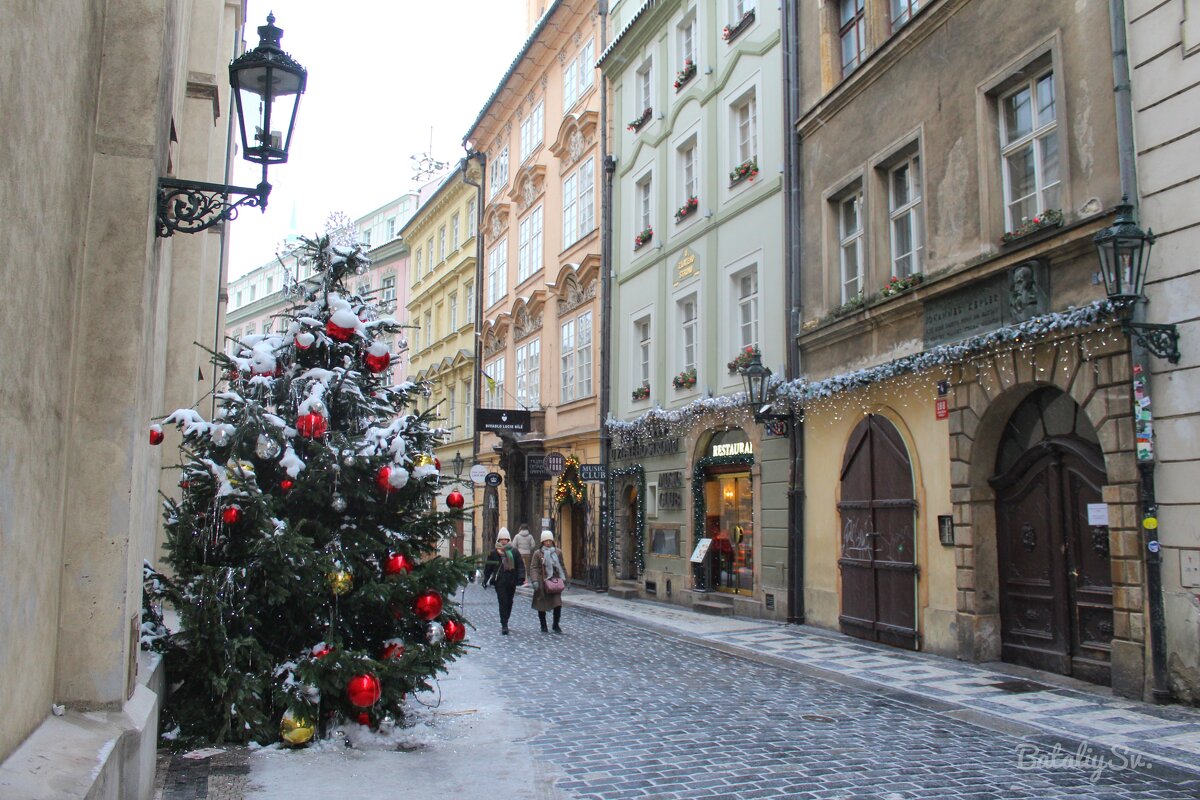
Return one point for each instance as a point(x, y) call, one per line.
point(623, 590)
point(713, 607)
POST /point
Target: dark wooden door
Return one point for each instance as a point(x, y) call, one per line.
point(1054, 569)
point(878, 511)
point(579, 543)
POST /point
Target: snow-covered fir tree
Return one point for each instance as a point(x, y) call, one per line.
point(303, 551)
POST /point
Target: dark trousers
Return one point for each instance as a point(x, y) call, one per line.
point(557, 617)
point(504, 595)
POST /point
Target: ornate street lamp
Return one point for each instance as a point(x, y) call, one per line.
point(1124, 251)
point(267, 84)
point(757, 380)
point(458, 466)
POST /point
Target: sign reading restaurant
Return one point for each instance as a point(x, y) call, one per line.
point(732, 449)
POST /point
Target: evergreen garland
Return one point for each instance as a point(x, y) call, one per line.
point(639, 523)
point(569, 490)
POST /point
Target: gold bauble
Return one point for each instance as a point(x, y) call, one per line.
point(239, 472)
point(340, 581)
point(295, 730)
point(423, 460)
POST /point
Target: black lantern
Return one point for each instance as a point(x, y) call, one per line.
point(757, 380)
point(1124, 251)
point(267, 84)
point(458, 465)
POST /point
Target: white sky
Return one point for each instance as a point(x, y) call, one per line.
point(381, 74)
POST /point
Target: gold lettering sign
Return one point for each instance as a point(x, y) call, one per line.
point(686, 267)
point(733, 449)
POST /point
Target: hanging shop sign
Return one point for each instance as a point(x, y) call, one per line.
point(535, 467)
point(502, 420)
point(555, 463)
point(478, 473)
point(493, 479)
point(591, 473)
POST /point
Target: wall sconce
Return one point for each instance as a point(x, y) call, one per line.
point(757, 380)
point(267, 82)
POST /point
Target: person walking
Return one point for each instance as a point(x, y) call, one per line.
point(505, 570)
point(524, 544)
point(549, 578)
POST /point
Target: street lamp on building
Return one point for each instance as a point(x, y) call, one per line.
point(757, 380)
point(1124, 251)
point(267, 84)
point(458, 466)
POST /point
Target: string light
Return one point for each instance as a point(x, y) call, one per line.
point(639, 523)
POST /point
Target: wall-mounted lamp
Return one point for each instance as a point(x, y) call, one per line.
point(757, 380)
point(268, 83)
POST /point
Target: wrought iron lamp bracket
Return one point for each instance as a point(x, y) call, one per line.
point(1161, 340)
point(194, 206)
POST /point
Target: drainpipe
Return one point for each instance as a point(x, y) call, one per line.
point(603, 531)
point(1140, 359)
point(790, 19)
point(475, 381)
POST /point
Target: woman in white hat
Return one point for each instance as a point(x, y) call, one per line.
point(549, 576)
point(505, 569)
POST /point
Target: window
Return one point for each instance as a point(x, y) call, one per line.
point(494, 376)
point(902, 11)
point(529, 258)
point(532, 128)
point(1029, 150)
point(253, 289)
point(430, 336)
point(366, 237)
point(687, 41)
point(416, 338)
point(497, 274)
point(250, 329)
point(364, 288)
point(687, 170)
point(270, 284)
point(852, 29)
point(689, 331)
point(578, 75)
point(429, 252)
point(645, 88)
point(441, 244)
point(745, 128)
point(470, 308)
point(417, 272)
point(390, 226)
point(579, 203)
point(454, 232)
point(453, 311)
point(742, 7)
point(529, 374)
point(472, 218)
point(746, 291)
point(577, 357)
point(499, 171)
point(904, 210)
point(850, 241)
point(645, 204)
point(389, 289)
point(641, 366)
point(238, 301)
point(468, 404)
point(451, 408)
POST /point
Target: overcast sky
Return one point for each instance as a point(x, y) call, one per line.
point(381, 75)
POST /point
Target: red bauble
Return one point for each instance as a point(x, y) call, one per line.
point(377, 363)
point(383, 479)
point(321, 650)
point(455, 630)
point(396, 564)
point(363, 690)
point(231, 515)
point(311, 426)
point(304, 341)
point(185, 484)
point(364, 718)
point(286, 484)
point(455, 499)
point(340, 332)
point(427, 605)
point(392, 650)
point(437, 463)
point(156, 435)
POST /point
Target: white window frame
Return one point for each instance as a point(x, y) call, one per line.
point(645, 202)
point(529, 254)
point(645, 87)
point(390, 227)
point(685, 38)
point(744, 126)
point(469, 306)
point(441, 244)
point(499, 171)
point(533, 129)
point(643, 350)
point(451, 410)
point(529, 373)
point(579, 202)
point(576, 360)
point(689, 173)
point(418, 272)
point(906, 214)
point(742, 7)
point(454, 231)
point(452, 311)
point(747, 322)
point(687, 317)
point(851, 286)
point(495, 371)
point(497, 273)
point(430, 336)
point(472, 218)
point(429, 254)
point(579, 75)
point(1040, 132)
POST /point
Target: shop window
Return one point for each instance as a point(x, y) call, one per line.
point(666, 541)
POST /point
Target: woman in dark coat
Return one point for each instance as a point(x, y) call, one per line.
point(547, 562)
point(504, 569)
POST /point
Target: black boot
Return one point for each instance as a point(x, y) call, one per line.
point(504, 629)
point(542, 620)
point(557, 629)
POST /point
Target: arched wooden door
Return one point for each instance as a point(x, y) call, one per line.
point(878, 514)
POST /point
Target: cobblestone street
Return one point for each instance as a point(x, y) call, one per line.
point(612, 710)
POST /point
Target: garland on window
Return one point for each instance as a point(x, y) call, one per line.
point(639, 524)
point(794, 396)
point(569, 490)
point(698, 506)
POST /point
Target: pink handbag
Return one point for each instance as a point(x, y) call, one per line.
point(554, 585)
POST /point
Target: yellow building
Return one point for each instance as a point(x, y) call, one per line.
point(540, 315)
point(441, 339)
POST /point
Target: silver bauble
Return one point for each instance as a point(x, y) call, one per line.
point(220, 436)
point(339, 504)
point(266, 448)
point(435, 633)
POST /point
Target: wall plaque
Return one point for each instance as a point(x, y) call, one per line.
point(686, 267)
point(1021, 293)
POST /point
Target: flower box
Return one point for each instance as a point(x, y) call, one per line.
point(899, 285)
point(636, 125)
point(642, 238)
point(731, 32)
point(685, 379)
point(687, 209)
point(1051, 218)
point(743, 359)
point(686, 74)
point(641, 393)
point(744, 171)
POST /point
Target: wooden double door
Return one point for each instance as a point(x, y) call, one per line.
point(1055, 575)
point(878, 516)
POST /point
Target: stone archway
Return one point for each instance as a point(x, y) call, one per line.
point(985, 395)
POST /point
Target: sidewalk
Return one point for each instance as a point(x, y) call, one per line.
point(1047, 709)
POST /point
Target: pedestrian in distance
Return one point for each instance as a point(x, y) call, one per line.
point(504, 570)
point(525, 546)
point(549, 579)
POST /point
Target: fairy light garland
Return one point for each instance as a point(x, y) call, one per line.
point(639, 524)
point(795, 396)
point(569, 488)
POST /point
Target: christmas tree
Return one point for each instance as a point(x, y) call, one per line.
point(303, 550)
